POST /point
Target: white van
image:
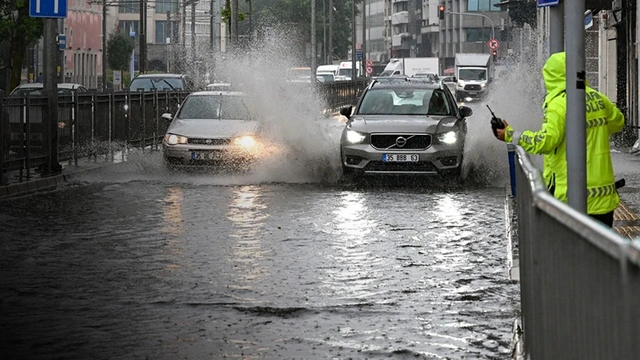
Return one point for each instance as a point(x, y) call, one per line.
point(326, 73)
point(345, 72)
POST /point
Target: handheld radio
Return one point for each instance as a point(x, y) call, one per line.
point(496, 122)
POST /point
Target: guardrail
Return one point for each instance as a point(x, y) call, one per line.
point(580, 281)
point(92, 124)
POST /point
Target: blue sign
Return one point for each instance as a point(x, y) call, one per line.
point(358, 54)
point(48, 8)
point(543, 3)
point(588, 19)
point(62, 41)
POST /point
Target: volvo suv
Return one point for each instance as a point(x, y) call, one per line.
point(406, 127)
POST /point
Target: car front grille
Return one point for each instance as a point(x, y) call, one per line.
point(473, 87)
point(426, 166)
point(394, 141)
point(209, 141)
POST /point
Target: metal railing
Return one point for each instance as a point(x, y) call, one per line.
point(92, 124)
point(580, 281)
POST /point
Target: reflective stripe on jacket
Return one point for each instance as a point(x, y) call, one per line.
point(603, 119)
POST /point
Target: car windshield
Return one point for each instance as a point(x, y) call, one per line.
point(37, 91)
point(214, 107)
point(472, 74)
point(157, 83)
point(345, 72)
point(405, 101)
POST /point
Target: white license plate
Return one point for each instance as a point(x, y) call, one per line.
point(400, 157)
point(205, 156)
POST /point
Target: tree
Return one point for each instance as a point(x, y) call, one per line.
point(225, 14)
point(298, 13)
point(20, 31)
point(119, 48)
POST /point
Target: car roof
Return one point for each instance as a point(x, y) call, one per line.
point(41, 86)
point(212, 93)
point(403, 82)
point(148, 76)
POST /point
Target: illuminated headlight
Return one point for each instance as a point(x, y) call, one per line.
point(448, 138)
point(483, 84)
point(460, 84)
point(126, 107)
point(245, 141)
point(172, 139)
point(355, 137)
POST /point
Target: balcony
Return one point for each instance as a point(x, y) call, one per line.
point(401, 17)
point(397, 40)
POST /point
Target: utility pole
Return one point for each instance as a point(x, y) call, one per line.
point(184, 23)
point(104, 45)
point(250, 19)
point(324, 31)
point(51, 89)
point(330, 45)
point(364, 33)
point(193, 30)
point(313, 37)
point(353, 41)
point(170, 37)
point(211, 22)
point(234, 23)
point(143, 37)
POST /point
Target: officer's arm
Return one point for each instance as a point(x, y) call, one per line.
point(615, 119)
point(540, 142)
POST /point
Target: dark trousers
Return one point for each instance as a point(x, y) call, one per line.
point(606, 219)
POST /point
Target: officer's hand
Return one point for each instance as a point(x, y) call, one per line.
point(500, 132)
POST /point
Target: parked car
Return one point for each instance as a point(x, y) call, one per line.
point(426, 75)
point(35, 89)
point(161, 82)
point(212, 128)
point(404, 127)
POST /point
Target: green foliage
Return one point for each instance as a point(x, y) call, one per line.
point(297, 14)
point(225, 13)
point(119, 48)
point(19, 30)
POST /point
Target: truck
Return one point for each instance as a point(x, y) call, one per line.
point(345, 72)
point(473, 73)
point(411, 66)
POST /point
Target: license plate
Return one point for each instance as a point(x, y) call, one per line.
point(205, 156)
point(400, 157)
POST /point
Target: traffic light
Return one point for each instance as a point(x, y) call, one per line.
point(441, 12)
point(495, 55)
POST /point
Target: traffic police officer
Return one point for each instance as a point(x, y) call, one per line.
point(603, 119)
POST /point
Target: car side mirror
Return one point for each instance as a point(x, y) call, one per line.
point(167, 116)
point(346, 111)
point(465, 111)
point(455, 79)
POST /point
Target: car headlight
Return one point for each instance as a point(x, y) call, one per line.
point(483, 84)
point(355, 137)
point(172, 139)
point(460, 84)
point(245, 141)
point(448, 138)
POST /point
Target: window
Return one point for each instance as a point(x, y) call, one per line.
point(126, 26)
point(162, 6)
point(483, 5)
point(162, 32)
point(128, 6)
point(481, 34)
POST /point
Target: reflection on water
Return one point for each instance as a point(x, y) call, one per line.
point(353, 274)
point(246, 211)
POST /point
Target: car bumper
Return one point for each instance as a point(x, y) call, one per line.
point(470, 95)
point(213, 155)
point(437, 159)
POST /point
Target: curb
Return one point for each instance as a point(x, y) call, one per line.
point(45, 183)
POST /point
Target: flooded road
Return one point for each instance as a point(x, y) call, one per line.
point(168, 267)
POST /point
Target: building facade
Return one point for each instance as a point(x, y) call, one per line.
point(83, 52)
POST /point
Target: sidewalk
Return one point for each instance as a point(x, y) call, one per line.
point(14, 187)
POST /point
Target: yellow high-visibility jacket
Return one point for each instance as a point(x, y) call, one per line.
point(603, 119)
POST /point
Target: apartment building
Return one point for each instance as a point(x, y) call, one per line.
point(413, 28)
point(83, 52)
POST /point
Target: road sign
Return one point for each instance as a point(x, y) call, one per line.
point(494, 44)
point(62, 41)
point(588, 19)
point(48, 8)
point(369, 70)
point(358, 54)
point(543, 3)
point(369, 62)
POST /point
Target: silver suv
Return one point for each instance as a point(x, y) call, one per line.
point(409, 126)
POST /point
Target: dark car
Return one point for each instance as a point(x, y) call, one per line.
point(161, 82)
point(406, 127)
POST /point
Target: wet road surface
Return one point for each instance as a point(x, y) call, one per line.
point(182, 267)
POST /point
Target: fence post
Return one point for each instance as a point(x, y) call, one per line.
point(74, 127)
point(109, 121)
point(94, 103)
point(511, 153)
point(142, 115)
point(2, 140)
point(156, 103)
point(27, 136)
point(127, 117)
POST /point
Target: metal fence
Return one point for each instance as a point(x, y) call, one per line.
point(92, 124)
point(580, 281)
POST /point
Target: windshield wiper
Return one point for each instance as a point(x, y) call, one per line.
point(171, 86)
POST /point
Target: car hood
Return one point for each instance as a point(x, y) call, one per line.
point(399, 124)
point(212, 128)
